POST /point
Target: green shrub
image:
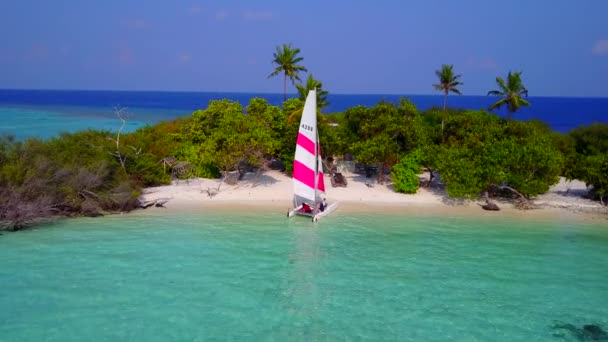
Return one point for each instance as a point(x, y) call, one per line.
point(405, 173)
point(147, 171)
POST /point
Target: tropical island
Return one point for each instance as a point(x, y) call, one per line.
point(235, 155)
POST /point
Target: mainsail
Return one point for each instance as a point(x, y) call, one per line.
point(308, 165)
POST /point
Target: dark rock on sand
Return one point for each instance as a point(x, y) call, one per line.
point(490, 206)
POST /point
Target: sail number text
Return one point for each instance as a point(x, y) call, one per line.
point(306, 127)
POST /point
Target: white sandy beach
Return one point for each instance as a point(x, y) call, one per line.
point(273, 190)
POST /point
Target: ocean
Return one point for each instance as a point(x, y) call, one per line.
point(155, 276)
point(46, 113)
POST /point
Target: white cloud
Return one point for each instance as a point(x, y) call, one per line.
point(184, 57)
point(194, 9)
point(258, 15)
point(600, 48)
point(65, 50)
point(221, 15)
point(125, 55)
point(487, 64)
point(7, 56)
point(38, 52)
point(484, 63)
point(137, 24)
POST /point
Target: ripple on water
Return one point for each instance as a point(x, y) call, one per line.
point(254, 276)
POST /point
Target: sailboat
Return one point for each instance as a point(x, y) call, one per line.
point(308, 182)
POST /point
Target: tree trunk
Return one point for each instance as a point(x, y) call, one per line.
point(524, 199)
point(285, 88)
point(512, 110)
point(381, 174)
point(445, 102)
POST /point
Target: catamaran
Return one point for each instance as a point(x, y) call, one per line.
point(308, 182)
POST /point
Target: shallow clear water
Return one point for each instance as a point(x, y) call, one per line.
point(205, 276)
point(47, 122)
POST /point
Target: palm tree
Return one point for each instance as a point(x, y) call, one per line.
point(512, 93)
point(448, 82)
point(287, 61)
point(312, 84)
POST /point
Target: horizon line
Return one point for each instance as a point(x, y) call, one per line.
point(274, 93)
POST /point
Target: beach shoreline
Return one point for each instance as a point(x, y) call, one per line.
point(271, 191)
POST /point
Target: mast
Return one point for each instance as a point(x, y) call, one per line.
point(316, 150)
point(316, 161)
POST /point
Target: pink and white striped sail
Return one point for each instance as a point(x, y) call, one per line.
point(307, 165)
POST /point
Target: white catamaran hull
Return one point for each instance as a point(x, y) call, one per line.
point(314, 215)
point(330, 208)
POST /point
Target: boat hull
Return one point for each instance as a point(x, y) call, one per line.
point(330, 208)
point(315, 216)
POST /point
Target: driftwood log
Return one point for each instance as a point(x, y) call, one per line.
point(211, 192)
point(157, 202)
point(337, 179)
point(490, 206)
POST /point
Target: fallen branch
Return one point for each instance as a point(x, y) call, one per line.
point(157, 202)
point(84, 194)
point(523, 203)
point(211, 192)
point(490, 205)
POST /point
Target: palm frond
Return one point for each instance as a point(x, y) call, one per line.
point(456, 91)
point(514, 103)
point(313, 84)
point(512, 92)
point(286, 60)
point(448, 81)
point(524, 102)
point(498, 104)
point(275, 72)
point(502, 85)
point(295, 115)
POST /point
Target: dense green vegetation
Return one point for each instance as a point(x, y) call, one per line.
point(473, 152)
point(80, 173)
point(588, 158)
point(484, 151)
point(405, 173)
point(383, 134)
point(72, 174)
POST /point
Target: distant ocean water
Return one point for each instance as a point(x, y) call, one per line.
point(257, 276)
point(45, 113)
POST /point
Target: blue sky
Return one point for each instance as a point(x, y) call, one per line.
point(385, 47)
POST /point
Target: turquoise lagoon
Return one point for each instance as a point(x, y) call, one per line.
point(210, 276)
point(46, 122)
